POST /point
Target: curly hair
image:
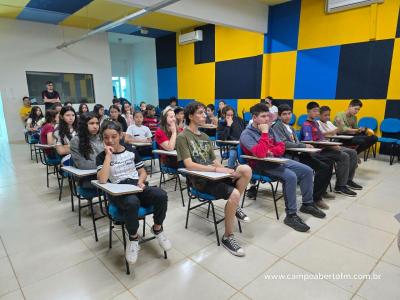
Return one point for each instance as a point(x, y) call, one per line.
point(63, 127)
point(80, 109)
point(85, 147)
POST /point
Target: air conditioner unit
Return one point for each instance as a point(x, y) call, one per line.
point(339, 5)
point(191, 37)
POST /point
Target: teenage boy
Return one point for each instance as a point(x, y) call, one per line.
point(257, 140)
point(323, 170)
point(25, 110)
point(344, 167)
point(328, 129)
point(196, 151)
point(347, 123)
point(50, 96)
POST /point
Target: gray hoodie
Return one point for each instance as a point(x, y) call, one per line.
point(79, 160)
point(290, 140)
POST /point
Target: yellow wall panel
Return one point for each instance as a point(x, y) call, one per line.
point(394, 81)
point(235, 43)
point(387, 19)
point(318, 29)
point(11, 8)
point(282, 73)
point(81, 22)
point(194, 81)
point(105, 10)
point(245, 104)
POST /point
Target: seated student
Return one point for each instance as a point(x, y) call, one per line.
point(180, 118)
point(258, 140)
point(142, 106)
point(25, 110)
point(150, 119)
point(86, 145)
point(127, 113)
point(221, 105)
point(46, 134)
point(66, 130)
point(273, 110)
point(122, 164)
point(68, 103)
point(138, 132)
point(57, 107)
point(172, 104)
point(165, 137)
point(230, 129)
point(211, 118)
point(323, 170)
point(195, 150)
point(115, 115)
point(98, 110)
point(35, 122)
point(310, 132)
point(347, 123)
point(328, 129)
point(117, 102)
point(83, 108)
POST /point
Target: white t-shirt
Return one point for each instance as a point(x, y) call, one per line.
point(140, 132)
point(289, 129)
point(273, 109)
point(326, 127)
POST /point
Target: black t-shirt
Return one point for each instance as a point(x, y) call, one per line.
point(124, 165)
point(49, 95)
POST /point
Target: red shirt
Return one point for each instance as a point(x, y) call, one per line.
point(47, 128)
point(160, 137)
point(152, 123)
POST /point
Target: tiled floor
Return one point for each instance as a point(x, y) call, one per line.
point(44, 254)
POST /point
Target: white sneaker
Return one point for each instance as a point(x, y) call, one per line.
point(132, 251)
point(163, 241)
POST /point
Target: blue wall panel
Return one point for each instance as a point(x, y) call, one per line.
point(167, 83)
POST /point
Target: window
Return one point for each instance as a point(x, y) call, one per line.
point(120, 87)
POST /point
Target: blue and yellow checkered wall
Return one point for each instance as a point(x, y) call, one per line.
point(306, 54)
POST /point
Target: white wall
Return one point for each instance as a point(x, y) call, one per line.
point(29, 46)
point(145, 71)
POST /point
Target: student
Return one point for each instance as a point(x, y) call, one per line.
point(259, 141)
point(211, 118)
point(66, 130)
point(172, 104)
point(138, 132)
point(180, 118)
point(345, 164)
point(328, 129)
point(221, 105)
point(143, 106)
point(347, 124)
point(150, 119)
point(127, 113)
point(46, 134)
point(165, 137)
point(195, 150)
point(230, 129)
point(83, 108)
point(34, 122)
point(273, 110)
point(25, 110)
point(98, 110)
point(322, 169)
point(86, 145)
point(121, 164)
point(115, 115)
point(68, 103)
point(117, 102)
point(50, 96)
point(57, 107)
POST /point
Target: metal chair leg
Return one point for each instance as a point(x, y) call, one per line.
point(215, 223)
point(93, 219)
point(61, 188)
point(124, 239)
point(180, 189)
point(110, 235)
point(188, 211)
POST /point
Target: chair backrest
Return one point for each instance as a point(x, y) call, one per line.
point(154, 146)
point(390, 125)
point(292, 119)
point(247, 116)
point(241, 160)
point(301, 120)
point(368, 122)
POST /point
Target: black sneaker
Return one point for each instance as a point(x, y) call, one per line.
point(312, 210)
point(232, 245)
point(344, 190)
point(296, 223)
point(251, 192)
point(241, 216)
point(354, 186)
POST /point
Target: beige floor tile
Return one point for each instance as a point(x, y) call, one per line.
point(361, 238)
point(386, 200)
point(16, 295)
point(32, 266)
point(264, 287)
point(322, 256)
point(393, 254)
point(90, 280)
point(8, 282)
point(371, 217)
point(188, 281)
point(239, 296)
point(2, 250)
point(125, 296)
point(273, 236)
point(225, 265)
point(385, 288)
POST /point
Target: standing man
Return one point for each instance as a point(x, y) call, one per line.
point(50, 96)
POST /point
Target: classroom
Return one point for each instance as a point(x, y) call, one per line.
point(199, 149)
